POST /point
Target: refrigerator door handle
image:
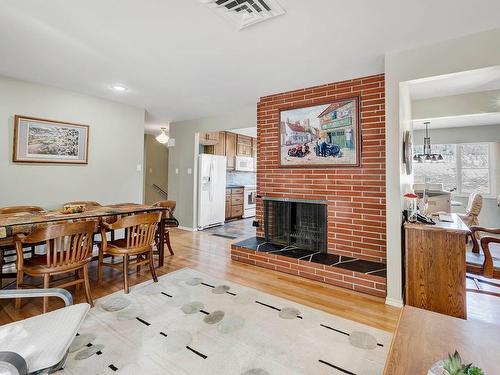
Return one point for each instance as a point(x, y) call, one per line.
point(211, 179)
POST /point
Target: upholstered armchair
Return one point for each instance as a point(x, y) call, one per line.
point(39, 345)
point(474, 206)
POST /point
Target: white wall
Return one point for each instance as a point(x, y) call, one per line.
point(115, 148)
point(457, 55)
point(457, 105)
point(182, 186)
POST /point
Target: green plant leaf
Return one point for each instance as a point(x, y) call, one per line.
point(475, 371)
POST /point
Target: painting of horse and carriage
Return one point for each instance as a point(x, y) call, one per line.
point(325, 135)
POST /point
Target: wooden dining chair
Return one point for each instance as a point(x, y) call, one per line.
point(169, 221)
point(7, 245)
point(484, 259)
point(138, 243)
point(90, 205)
point(69, 249)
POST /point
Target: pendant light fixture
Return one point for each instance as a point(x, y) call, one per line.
point(163, 136)
point(427, 156)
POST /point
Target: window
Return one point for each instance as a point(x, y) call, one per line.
point(465, 168)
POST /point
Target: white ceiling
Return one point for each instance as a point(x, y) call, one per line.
point(457, 83)
point(180, 60)
point(477, 119)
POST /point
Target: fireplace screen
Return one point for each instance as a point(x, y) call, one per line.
point(298, 223)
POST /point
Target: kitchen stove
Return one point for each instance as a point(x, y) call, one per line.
point(249, 195)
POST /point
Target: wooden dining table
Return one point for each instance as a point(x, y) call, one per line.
point(27, 221)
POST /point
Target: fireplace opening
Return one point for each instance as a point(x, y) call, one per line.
point(300, 223)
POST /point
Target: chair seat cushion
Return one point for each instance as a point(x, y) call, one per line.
point(171, 222)
point(44, 339)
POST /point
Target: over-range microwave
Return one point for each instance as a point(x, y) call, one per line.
point(244, 164)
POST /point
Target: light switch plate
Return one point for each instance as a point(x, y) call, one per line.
point(139, 167)
point(190, 171)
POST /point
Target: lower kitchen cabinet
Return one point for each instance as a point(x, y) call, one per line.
point(234, 203)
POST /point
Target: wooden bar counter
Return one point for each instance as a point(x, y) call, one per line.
point(435, 266)
point(422, 338)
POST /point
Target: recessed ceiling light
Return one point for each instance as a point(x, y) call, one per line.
point(119, 88)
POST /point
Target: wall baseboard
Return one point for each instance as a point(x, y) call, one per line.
point(187, 228)
point(394, 302)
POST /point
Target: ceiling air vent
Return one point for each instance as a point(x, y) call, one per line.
point(244, 13)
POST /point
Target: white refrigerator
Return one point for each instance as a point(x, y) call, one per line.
point(211, 190)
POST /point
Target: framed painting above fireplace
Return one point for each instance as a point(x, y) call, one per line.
point(323, 135)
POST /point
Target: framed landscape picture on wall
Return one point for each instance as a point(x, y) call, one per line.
point(47, 141)
point(323, 135)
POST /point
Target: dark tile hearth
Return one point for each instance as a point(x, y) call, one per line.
point(362, 266)
point(259, 244)
point(326, 259)
point(292, 252)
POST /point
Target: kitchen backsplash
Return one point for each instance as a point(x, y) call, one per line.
point(240, 178)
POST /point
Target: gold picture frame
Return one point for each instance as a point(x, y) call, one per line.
point(38, 140)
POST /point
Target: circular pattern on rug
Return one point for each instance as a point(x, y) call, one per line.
point(214, 317)
point(130, 312)
point(194, 281)
point(244, 298)
point(80, 341)
point(192, 307)
point(289, 313)
point(256, 371)
point(88, 352)
point(177, 340)
point(363, 340)
point(221, 289)
point(115, 304)
point(231, 324)
point(150, 290)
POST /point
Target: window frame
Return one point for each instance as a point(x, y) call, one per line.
point(491, 169)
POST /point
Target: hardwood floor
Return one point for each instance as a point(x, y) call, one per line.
point(210, 254)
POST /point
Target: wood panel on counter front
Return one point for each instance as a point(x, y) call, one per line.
point(435, 267)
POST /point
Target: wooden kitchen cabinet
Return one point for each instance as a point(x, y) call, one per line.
point(244, 147)
point(228, 203)
point(219, 148)
point(230, 150)
point(209, 139)
point(234, 203)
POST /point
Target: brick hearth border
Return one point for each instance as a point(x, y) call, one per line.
point(361, 282)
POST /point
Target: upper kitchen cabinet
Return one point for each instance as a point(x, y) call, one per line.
point(244, 147)
point(219, 148)
point(209, 139)
point(231, 150)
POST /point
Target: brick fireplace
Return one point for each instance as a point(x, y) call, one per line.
point(355, 197)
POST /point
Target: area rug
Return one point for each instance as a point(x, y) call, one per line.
point(193, 323)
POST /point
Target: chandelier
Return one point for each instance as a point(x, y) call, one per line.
point(163, 137)
point(428, 156)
